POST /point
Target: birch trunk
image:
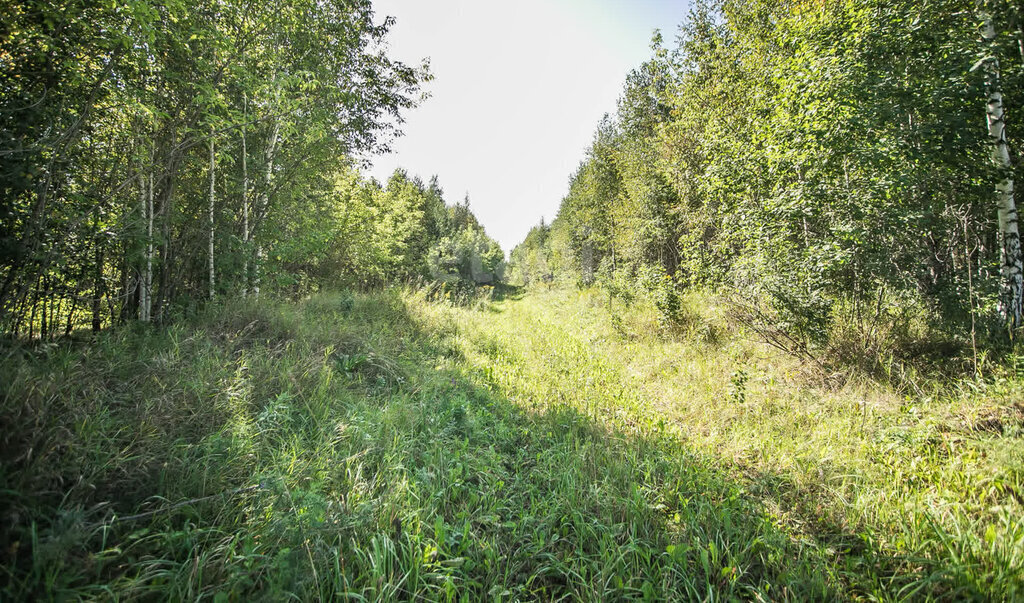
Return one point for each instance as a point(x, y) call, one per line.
point(146, 219)
point(245, 201)
point(1011, 291)
point(168, 185)
point(264, 198)
point(210, 222)
point(97, 277)
point(256, 272)
point(147, 281)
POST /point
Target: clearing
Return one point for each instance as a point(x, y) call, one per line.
point(533, 447)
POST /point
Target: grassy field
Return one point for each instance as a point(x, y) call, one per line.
point(538, 447)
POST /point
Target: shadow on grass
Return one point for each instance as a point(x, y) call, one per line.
point(507, 292)
point(379, 465)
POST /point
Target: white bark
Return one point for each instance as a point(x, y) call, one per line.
point(144, 214)
point(147, 281)
point(210, 222)
point(264, 198)
point(1011, 269)
point(268, 158)
point(256, 272)
point(245, 201)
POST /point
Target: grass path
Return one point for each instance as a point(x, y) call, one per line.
point(900, 495)
point(388, 448)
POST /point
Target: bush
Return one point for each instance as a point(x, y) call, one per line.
point(666, 300)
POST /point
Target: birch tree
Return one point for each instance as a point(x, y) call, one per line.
point(1011, 292)
point(103, 201)
point(263, 203)
point(245, 198)
point(145, 279)
point(211, 226)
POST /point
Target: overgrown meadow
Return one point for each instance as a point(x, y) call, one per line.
point(529, 446)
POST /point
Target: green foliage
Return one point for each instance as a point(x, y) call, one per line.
point(823, 165)
point(666, 298)
point(808, 157)
point(467, 257)
point(364, 235)
point(531, 261)
point(109, 112)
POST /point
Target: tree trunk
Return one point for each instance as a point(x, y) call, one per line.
point(35, 304)
point(97, 278)
point(256, 272)
point(245, 200)
point(147, 221)
point(210, 220)
point(29, 240)
point(71, 316)
point(1011, 290)
point(147, 280)
point(264, 201)
point(167, 191)
point(42, 311)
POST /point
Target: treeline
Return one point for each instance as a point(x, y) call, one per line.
point(365, 235)
point(157, 154)
point(818, 160)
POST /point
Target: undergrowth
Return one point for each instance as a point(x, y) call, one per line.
point(390, 447)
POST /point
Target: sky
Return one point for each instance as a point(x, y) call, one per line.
point(519, 87)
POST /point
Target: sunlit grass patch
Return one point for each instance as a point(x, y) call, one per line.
point(906, 493)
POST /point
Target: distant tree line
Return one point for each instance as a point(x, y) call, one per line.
point(154, 155)
point(366, 235)
point(817, 160)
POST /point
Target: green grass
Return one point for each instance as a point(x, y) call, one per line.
point(532, 448)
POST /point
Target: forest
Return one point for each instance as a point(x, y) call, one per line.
point(161, 155)
point(846, 172)
point(769, 347)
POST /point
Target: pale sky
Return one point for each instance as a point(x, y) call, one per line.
point(519, 87)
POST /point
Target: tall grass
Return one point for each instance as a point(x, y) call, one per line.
point(904, 491)
point(389, 447)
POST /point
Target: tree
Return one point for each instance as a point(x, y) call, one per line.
point(821, 161)
point(1011, 295)
point(107, 205)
